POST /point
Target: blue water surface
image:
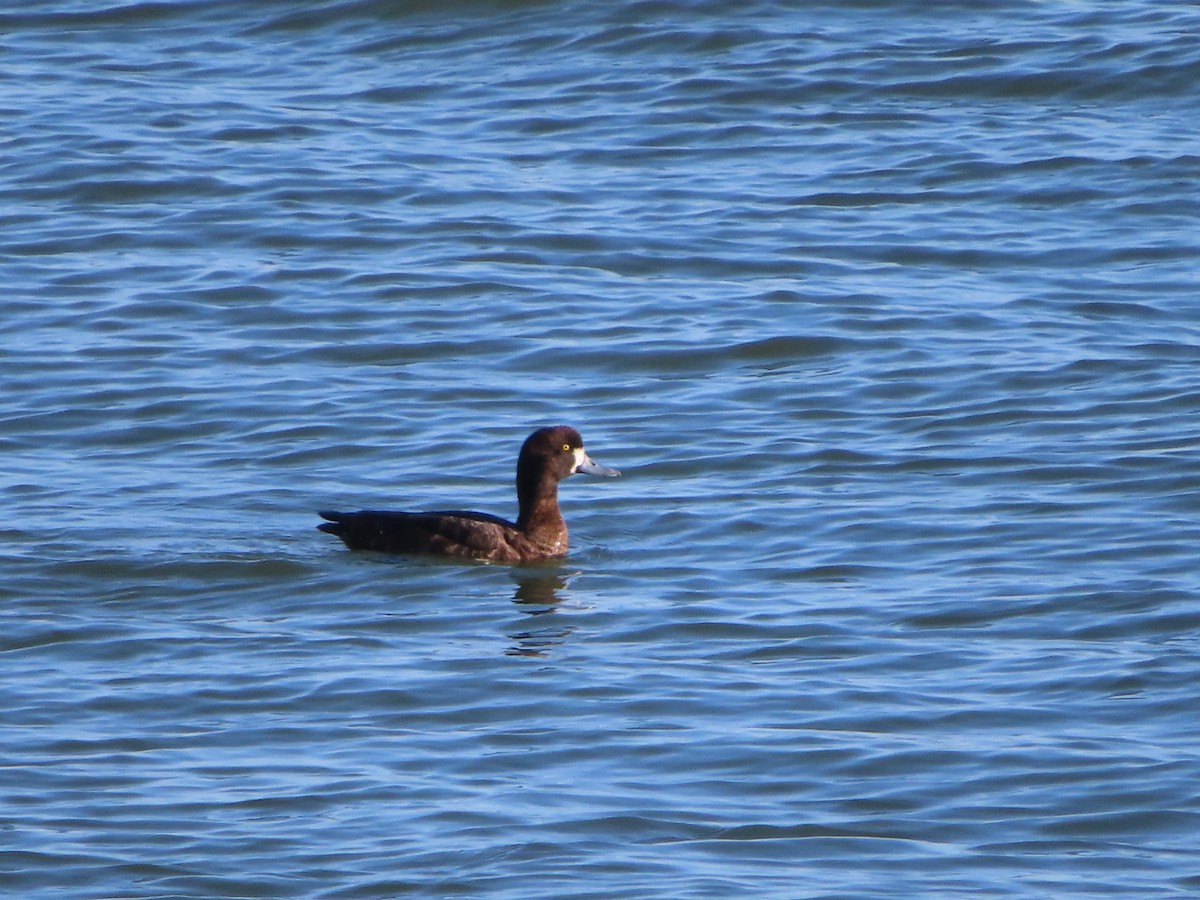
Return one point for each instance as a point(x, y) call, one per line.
point(887, 312)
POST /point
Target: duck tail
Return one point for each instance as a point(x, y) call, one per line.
point(336, 523)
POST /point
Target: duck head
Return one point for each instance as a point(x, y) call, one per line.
point(557, 452)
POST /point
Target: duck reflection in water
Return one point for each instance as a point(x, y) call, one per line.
point(538, 594)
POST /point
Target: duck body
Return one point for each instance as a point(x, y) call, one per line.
point(470, 535)
point(547, 456)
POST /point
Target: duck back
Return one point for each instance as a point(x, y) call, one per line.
point(458, 533)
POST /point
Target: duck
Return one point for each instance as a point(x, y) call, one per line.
point(547, 456)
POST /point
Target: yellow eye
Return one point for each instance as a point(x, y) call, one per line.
point(566, 448)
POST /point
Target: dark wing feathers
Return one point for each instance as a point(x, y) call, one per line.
point(449, 532)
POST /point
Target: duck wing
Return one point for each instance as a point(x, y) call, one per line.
point(442, 532)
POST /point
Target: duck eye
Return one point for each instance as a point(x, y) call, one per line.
point(566, 448)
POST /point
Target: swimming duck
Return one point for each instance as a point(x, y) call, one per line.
point(547, 456)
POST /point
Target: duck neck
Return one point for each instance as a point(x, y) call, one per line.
point(537, 502)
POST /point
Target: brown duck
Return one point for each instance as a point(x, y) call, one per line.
point(547, 457)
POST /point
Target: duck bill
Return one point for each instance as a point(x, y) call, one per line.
point(588, 467)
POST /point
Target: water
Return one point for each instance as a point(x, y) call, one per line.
point(886, 311)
